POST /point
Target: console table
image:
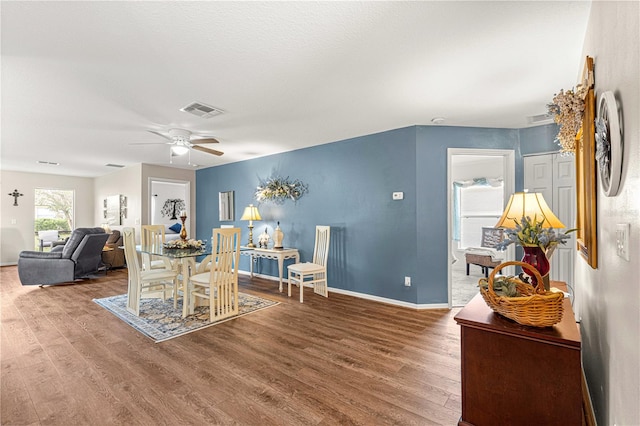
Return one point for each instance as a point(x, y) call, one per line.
point(277, 254)
point(517, 375)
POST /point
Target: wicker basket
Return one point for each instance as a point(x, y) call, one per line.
point(536, 307)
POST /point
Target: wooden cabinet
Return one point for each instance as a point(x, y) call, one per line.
point(518, 375)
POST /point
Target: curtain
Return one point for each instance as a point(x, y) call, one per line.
point(457, 186)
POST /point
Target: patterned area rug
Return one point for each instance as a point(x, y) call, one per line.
point(159, 321)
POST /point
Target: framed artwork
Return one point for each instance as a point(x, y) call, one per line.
point(586, 174)
point(225, 209)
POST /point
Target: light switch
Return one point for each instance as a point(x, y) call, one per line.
point(398, 195)
point(622, 240)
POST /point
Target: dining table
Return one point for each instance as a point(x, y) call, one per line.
point(184, 259)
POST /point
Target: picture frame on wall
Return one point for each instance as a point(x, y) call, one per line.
point(586, 174)
point(226, 209)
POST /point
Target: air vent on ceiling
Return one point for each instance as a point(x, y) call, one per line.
point(50, 163)
point(119, 166)
point(202, 110)
point(541, 118)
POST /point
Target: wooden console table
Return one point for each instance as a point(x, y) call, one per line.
point(277, 254)
point(518, 375)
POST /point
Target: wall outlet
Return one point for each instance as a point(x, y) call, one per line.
point(398, 195)
point(622, 240)
point(407, 281)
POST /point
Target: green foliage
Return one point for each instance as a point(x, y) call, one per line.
point(51, 224)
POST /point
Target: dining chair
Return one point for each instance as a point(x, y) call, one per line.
point(153, 235)
point(313, 273)
point(155, 283)
point(220, 284)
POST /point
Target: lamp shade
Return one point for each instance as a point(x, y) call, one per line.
point(251, 213)
point(531, 204)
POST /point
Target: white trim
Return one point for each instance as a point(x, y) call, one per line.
point(363, 295)
point(9, 264)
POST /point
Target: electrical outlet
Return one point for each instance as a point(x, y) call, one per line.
point(622, 240)
point(407, 281)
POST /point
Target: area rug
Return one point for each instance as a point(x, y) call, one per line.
point(159, 321)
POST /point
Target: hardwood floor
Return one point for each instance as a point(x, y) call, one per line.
point(341, 360)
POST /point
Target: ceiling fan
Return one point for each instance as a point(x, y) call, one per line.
point(181, 142)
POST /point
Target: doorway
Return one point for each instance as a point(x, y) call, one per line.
point(167, 199)
point(480, 182)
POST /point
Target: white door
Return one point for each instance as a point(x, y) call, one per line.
point(554, 176)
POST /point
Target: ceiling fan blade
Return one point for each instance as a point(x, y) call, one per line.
point(203, 141)
point(160, 134)
point(207, 150)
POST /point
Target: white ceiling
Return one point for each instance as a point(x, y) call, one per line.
point(81, 81)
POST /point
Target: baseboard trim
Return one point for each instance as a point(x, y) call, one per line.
point(417, 306)
point(589, 416)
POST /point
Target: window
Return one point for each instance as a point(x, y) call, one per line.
point(53, 212)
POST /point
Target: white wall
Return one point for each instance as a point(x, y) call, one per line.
point(125, 181)
point(610, 295)
point(19, 236)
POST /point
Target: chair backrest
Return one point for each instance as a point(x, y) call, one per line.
point(321, 249)
point(225, 245)
point(491, 237)
point(76, 238)
point(48, 236)
point(130, 254)
point(88, 255)
point(152, 235)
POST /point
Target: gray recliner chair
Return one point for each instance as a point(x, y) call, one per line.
point(79, 257)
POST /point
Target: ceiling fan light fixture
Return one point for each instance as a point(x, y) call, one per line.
point(179, 149)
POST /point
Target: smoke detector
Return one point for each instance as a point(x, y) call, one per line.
point(437, 120)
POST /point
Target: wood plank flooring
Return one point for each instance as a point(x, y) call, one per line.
point(342, 360)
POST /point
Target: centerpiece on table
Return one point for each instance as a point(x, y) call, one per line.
point(537, 242)
point(184, 244)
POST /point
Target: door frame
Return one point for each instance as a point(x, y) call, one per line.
point(509, 176)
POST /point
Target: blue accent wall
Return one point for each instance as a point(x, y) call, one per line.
point(375, 241)
point(539, 139)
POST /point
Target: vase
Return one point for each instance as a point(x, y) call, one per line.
point(536, 257)
point(183, 230)
point(278, 236)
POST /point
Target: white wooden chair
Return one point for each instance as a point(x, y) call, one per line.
point(313, 273)
point(220, 284)
point(149, 283)
point(153, 235)
point(47, 238)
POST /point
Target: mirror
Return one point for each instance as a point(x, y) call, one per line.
point(113, 209)
point(226, 210)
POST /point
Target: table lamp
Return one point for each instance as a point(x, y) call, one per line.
point(251, 213)
point(532, 204)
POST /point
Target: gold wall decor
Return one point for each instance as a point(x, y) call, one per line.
point(586, 174)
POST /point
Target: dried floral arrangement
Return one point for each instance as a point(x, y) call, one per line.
point(184, 244)
point(531, 232)
point(278, 189)
point(568, 109)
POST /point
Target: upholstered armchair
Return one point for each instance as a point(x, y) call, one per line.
point(79, 257)
point(113, 256)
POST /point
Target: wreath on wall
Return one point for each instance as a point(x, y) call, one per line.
point(568, 110)
point(277, 189)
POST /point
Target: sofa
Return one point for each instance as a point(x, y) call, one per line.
point(80, 257)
